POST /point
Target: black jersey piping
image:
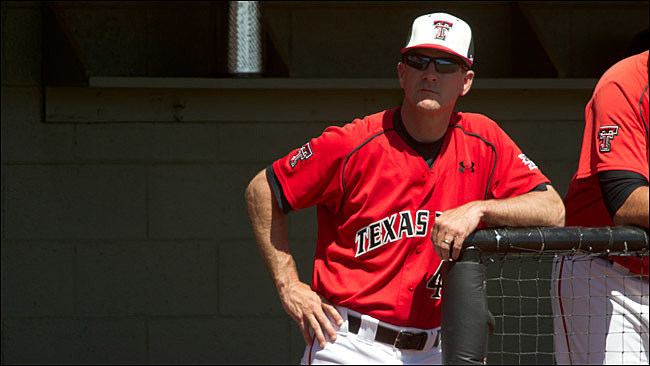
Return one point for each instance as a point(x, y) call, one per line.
point(347, 157)
point(496, 156)
point(278, 191)
point(643, 121)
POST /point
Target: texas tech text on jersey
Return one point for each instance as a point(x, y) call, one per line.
point(385, 231)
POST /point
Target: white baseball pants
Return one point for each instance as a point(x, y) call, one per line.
point(600, 313)
point(361, 348)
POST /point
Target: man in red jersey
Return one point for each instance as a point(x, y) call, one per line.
point(396, 192)
point(601, 304)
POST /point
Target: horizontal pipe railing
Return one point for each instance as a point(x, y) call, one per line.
point(619, 239)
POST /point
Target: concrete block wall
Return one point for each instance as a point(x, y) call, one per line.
point(129, 243)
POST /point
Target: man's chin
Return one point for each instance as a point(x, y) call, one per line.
point(428, 105)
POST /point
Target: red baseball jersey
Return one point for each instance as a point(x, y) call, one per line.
point(615, 138)
point(376, 202)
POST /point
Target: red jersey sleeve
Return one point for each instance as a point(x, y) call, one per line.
point(515, 174)
point(615, 134)
point(311, 174)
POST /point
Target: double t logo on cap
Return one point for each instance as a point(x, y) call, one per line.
point(440, 29)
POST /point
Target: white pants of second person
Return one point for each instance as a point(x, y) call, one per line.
point(362, 349)
point(600, 313)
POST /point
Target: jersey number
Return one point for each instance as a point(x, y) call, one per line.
point(435, 283)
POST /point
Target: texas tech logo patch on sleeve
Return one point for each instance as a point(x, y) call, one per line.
point(303, 153)
point(605, 136)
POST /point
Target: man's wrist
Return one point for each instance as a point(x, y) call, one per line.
point(483, 208)
point(284, 284)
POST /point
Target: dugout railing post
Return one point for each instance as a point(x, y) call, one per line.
point(465, 319)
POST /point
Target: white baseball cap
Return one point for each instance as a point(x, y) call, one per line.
point(444, 32)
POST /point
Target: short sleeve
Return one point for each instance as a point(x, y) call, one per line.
point(615, 134)
point(515, 174)
point(311, 174)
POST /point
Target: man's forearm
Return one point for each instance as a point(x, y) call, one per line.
point(537, 208)
point(270, 228)
point(634, 210)
point(311, 312)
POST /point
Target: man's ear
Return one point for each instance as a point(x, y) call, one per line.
point(400, 73)
point(468, 79)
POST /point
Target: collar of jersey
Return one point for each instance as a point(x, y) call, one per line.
point(424, 149)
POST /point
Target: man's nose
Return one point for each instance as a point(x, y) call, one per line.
point(430, 73)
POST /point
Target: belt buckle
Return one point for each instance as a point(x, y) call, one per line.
point(399, 343)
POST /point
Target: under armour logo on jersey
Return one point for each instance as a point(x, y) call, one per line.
point(464, 166)
point(606, 135)
point(303, 153)
point(440, 27)
point(524, 159)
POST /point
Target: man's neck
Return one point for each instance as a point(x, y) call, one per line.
point(425, 126)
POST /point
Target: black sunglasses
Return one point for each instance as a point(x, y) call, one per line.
point(442, 65)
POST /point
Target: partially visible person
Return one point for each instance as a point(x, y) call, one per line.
point(601, 304)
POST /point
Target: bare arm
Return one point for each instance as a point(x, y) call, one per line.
point(271, 233)
point(635, 209)
point(537, 208)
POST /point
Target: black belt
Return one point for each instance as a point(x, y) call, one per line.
point(399, 339)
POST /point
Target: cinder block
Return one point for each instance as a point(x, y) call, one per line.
point(264, 142)
point(560, 173)
point(38, 279)
point(234, 292)
point(245, 287)
point(74, 202)
point(21, 4)
point(72, 341)
point(112, 341)
point(39, 341)
point(303, 250)
point(146, 142)
point(303, 223)
point(3, 63)
point(160, 278)
point(3, 201)
point(303, 233)
point(199, 201)
point(243, 341)
point(21, 44)
point(546, 140)
point(526, 105)
point(24, 137)
point(297, 344)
